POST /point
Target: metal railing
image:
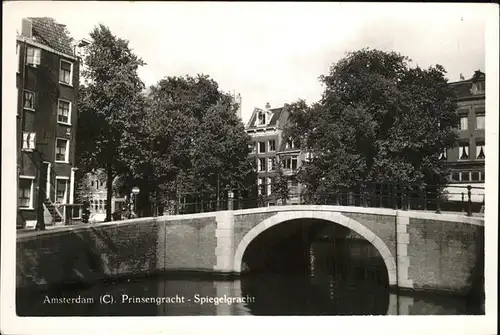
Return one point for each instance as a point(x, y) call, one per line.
point(450, 198)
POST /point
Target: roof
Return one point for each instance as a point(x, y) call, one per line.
point(47, 31)
point(275, 115)
point(463, 88)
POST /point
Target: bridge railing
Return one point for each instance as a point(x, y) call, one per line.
point(450, 198)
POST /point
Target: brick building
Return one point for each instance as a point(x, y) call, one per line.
point(466, 161)
point(47, 84)
point(269, 148)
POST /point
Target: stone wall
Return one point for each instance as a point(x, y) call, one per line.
point(127, 248)
point(445, 256)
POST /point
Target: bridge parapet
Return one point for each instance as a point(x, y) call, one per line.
point(421, 250)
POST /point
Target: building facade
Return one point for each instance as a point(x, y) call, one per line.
point(269, 149)
point(96, 193)
point(466, 162)
point(47, 84)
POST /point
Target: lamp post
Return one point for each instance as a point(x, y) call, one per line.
point(135, 192)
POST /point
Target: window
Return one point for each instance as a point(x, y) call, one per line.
point(269, 185)
point(309, 157)
point(481, 176)
point(290, 144)
point(475, 176)
point(465, 176)
point(61, 190)
point(32, 56)
point(271, 164)
point(463, 123)
point(261, 185)
point(478, 88)
point(62, 150)
point(65, 72)
point(262, 147)
point(29, 140)
point(480, 150)
point(455, 176)
point(29, 100)
point(261, 164)
point(261, 118)
point(253, 146)
point(480, 121)
point(18, 58)
point(291, 163)
point(463, 151)
point(64, 111)
point(272, 145)
point(25, 199)
point(442, 156)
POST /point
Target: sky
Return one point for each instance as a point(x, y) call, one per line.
point(275, 52)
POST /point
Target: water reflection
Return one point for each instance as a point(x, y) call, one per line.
point(273, 295)
point(332, 276)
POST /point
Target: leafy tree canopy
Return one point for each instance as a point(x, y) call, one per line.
point(379, 120)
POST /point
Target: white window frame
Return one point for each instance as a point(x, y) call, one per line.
point(462, 173)
point(270, 148)
point(259, 121)
point(271, 166)
point(460, 127)
point(259, 147)
point(30, 139)
point(482, 115)
point(292, 158)
point(24, 100)
point(70, 72)
point(66, 181)
point(261, 164)
point(69, 111)
point(36, 56)
point(32, 178)
point(66, 158)
point(269, 184)
point(260, 181)
point(18, 56)
point(461, 148)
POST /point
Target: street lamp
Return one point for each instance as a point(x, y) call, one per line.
point(135, 192)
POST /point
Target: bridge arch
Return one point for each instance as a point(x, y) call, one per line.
point(332, 217)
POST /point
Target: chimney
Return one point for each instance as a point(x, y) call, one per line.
point(26, 30)
point(462, 77)
point(268, 106)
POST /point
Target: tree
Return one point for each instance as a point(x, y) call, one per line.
point(280, 188)
point(378, 121)
point(111, 108)
point(194, 144)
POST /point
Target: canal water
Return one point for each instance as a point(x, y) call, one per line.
point(358, 286)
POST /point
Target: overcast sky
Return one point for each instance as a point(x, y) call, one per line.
point(275, 52)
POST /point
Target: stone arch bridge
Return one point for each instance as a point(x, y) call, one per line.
point(421, 250)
